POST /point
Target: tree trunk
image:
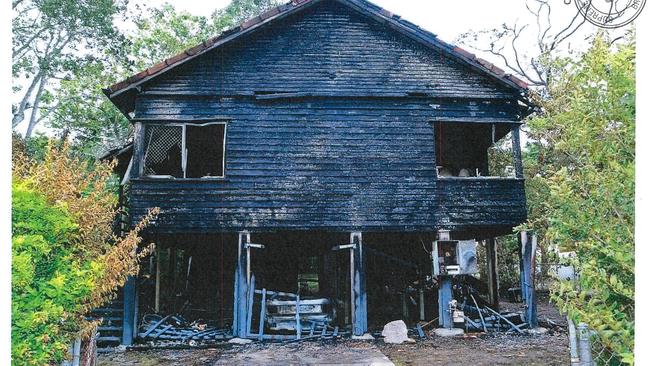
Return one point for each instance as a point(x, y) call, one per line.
point(19, 115)
point(37, 101)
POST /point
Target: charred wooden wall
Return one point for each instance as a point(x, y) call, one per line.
point(328, 49)
point(329, 126)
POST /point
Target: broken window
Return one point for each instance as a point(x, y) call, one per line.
point(163, 151)
point(468, 149)
point(185, 150)
point(204, 146)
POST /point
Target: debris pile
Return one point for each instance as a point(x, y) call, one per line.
point(490, 320)
point(176, 328)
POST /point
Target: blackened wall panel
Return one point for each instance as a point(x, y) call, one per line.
point(331, 164)
point(327, 50)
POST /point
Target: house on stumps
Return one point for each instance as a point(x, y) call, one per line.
point(319, 149)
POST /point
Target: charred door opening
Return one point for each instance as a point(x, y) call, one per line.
point(355, 284)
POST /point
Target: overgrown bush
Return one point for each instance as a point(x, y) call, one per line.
point(583, 187)
point(65, 260)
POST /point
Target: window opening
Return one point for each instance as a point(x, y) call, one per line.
point(163, 151)
point(204, 149)
point(185, 150)
point(473, 150)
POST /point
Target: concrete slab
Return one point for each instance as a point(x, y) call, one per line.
point(365, 337)
point(448, 332)
point(240, 341)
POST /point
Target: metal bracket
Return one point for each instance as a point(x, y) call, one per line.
point(345, 246)
point(252, 245)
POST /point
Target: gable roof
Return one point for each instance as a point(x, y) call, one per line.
point(122, 93)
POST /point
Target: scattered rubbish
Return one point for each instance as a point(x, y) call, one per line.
point(537, 331)
point(176, 328)
point(421, 333)
point(491, 320)
point(281, 313)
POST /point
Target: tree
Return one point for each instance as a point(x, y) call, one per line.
point(79, 110)
point(239, 10)
point(583, 187)
point(65, 260)
point(526, 50)
point(164, 32)
point(50, 39)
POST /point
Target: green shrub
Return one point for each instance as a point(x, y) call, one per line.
point(583, 191)
point(48, 285)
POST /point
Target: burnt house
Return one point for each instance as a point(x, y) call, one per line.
point(320, 148)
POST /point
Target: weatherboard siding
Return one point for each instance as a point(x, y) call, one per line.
point(263, 204)
point(328, 49)
point(330, 164)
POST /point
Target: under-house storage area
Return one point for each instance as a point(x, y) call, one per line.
point(189, 276)
point(328, 274)
point(194, 280)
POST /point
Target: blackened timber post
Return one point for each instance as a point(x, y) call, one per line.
point(138, 150)
point(521, 270)
point(445, 291)
point(435, 149)
point(240, 288)
point(421, 300)
point(158, 274)
point(516, 152)
point(171, 272)
point(528, 245)
point(129, 312)
point(492, 276)
point(360, 309)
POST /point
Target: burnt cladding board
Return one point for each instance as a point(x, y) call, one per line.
point(327, 49)
point(326, 162)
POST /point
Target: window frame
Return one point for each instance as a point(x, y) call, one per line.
point(514, 138)
point(183, 126)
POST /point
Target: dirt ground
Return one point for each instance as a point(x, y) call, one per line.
point(472, 349)
point(548, 349)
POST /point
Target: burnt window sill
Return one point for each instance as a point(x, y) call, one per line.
point(175, 179)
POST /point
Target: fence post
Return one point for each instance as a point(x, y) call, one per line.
point(76, 352)
point(584, 345)
point(573, 343)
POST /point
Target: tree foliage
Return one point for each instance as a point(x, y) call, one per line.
point(581, 163)
point(72, 103)
point(51, 39)
point(65, 260)
point(79, 110)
